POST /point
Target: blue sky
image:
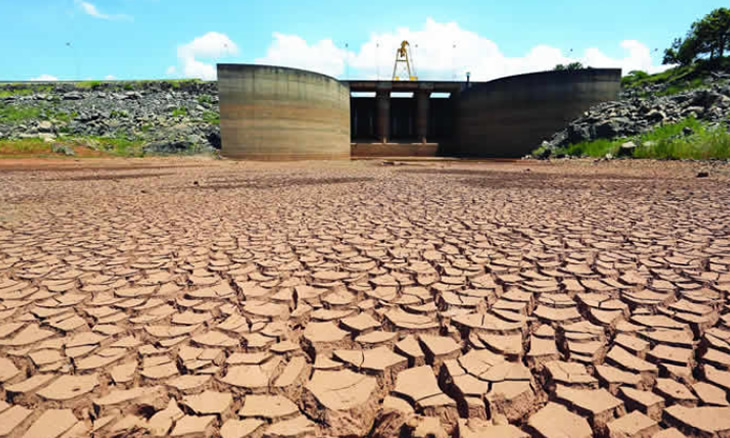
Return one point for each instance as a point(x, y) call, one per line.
point(149, 39)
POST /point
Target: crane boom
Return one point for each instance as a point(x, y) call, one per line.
point(404, 58)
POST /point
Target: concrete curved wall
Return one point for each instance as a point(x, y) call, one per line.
point(279, 113)
point(510, 117)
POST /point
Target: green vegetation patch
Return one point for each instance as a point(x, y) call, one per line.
point(22, 113)
point(211, 117)
point(24, 147)
point(180, 111)
point(687, 139)
point(177, 83)
point(19, 113)
point(25, 90)
point(680, 87)
point(638, 78)
point(88, 84)
point(120, 146)
point(205, 99)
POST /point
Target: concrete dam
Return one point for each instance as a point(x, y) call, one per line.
point(280, 113)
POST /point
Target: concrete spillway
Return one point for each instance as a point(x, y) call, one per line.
point(274, 113)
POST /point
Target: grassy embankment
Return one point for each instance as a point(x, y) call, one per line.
point(121, 146)
point(669, 141)
point(112, 146)
point(675, 80)
point(83, 148)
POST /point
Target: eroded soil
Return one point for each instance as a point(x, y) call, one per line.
point(203, 298)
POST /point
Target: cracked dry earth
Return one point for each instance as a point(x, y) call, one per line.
point(193, 299)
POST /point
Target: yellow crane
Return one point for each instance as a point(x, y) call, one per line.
point(403, 57)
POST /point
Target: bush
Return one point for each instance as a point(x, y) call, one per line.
point(211, 117)
point(180, 111)
point(571, 66)
point(205, 99)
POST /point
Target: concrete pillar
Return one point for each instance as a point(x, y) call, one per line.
point(422, 100)
point(382, 118)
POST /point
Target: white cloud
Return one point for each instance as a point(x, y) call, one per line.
point(110, 77)
point(44, 78)
point(639, 58)
point(293, 51)
point(440, 51)
point(210, 46)
point(90, 9)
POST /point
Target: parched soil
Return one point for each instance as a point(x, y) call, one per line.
point(190, 298)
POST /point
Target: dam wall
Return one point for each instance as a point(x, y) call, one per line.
point(509, 117)
point(280, 113)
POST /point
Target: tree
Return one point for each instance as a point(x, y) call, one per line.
point(708, 37)
point(713, 33)
point(572, 66)
point(683, 51)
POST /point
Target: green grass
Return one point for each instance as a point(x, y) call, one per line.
point(683, 86)
point(595, 148)
point(180, 111)
point(640, 78)
point(205, 99)
point(663, 142)
point(114, 114)
point(87, 84)
point(177, 83)
point(7, 92)
point(25, 90)
point(120, 146)
point(65, 117)
point(23, 113)
point(677, 79)
point(25, 146)
point(19, 113)
point(211, 117)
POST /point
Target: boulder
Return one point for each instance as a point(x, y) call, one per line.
point(60, 148)
point(627, 149)
point(167, 147)
point(45, 126)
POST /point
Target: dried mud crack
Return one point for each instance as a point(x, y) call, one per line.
point(355, 299)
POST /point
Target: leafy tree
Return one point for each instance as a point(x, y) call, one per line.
point(713, 33)
point(708, 37)
point(572, 66)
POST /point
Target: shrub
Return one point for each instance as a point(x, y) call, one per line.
point(211, 117)
point(205, 99)
point(180, 111)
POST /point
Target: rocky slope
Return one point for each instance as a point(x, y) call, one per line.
point(159, 116)
point(640, 109)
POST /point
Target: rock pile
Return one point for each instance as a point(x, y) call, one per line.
point(165, 116)
point(634, 114)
